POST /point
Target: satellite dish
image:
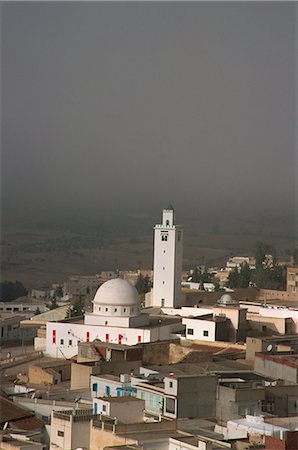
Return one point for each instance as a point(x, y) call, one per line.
point(269, 348)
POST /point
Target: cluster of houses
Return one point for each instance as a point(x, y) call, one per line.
point(192, 370)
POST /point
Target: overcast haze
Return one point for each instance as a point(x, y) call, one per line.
point(133, 105)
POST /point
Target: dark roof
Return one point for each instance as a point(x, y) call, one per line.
point(19, 418)
point(10, 411)
point(29, 423)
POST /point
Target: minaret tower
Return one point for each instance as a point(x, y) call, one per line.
point(167, 270)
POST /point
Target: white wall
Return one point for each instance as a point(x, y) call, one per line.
point(102, 383)
point(167, 262)
point(67, 336)
point(203, 330)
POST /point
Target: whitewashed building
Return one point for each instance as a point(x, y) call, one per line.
point(116, 318)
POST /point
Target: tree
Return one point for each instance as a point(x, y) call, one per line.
point(10, 290)
point(143, 284)
point(234, 278)
point(268, 275)
point(196, 275)
point(295, 256)
point(78, 307)
point(58, 292)
point(54, 304)
point(245, 275)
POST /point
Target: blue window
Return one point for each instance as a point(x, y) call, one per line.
point(95, 408)
point(119, 392)
point(108, 390)
point(94, 387)
point(104, 408)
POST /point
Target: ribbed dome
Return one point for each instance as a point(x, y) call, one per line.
point(117, 292)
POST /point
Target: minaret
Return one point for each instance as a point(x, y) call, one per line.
point(167, 270)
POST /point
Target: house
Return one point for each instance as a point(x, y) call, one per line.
point(70, 429)
point(281, 366)
point(126, 409)
point(49, 372)
point(11, 330)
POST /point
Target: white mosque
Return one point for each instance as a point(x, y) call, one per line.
point(117, 316)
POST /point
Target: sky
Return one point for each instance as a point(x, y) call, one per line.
point(120, 108)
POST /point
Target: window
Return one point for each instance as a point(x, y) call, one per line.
point(190, 331)
point(124, 310)
point(106, 322)
point(139, 339)
point(60, 433)
point(205, 333)
point(53, 336)
point(87, 336)
point(104, 408)
point(107, 337)
point(70, 342)
point(170, 405)
point(115, 309)
point(119, 338)
point(171, 384)
point(167, 223)
point(164, 237)
point(94, 387)
point(99, 308)
point(162, 302)
point(163, 268)
point(61, 341)
point(107, 309)
point(108, 390)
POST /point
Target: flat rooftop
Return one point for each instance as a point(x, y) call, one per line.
point(285, 359)
point(123, 399)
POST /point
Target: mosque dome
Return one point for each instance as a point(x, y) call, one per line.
point(117, 292)
point(226, 300)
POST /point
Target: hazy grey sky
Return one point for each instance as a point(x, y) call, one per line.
point(135, 104)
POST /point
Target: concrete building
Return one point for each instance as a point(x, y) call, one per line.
point(291, 293)
point(281, 400)
point(280, 367)
point(84, 286)
point(22, 307)
point(11, 330)
point(70, 429)
point(125, 409)
point(116, 318)
point(236, 399)
point(49, 373)
point(271, 345)
point(168, 248)
point(207, 328)
point(292, 280)
point(110, 385)
point(257, 425)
